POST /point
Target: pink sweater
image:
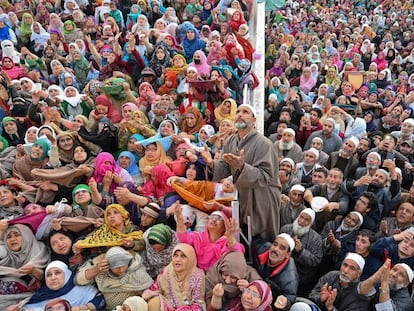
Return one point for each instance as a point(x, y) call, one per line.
point(208, 253)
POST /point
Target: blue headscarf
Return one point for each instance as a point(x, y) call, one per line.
point(133, 168)
point(162, 8)
point(190, 46)
point(166, 142)
point(4, 32)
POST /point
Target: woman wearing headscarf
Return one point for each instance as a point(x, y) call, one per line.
point(257, 296)
point(160, 241)
point(55, 23)
point(42, 15)
point(10, 68)
point(59, 284)
point(192, 121)
point(180, 286)
point(236, 20)
point(71, 32)
point(38, 38)
point(104, 108)
point(128, 161)
point(108, 175)
point(217, 238)
point(117, 230)
point(80, 66)
point(226, 110)
point(22, 263)
point(192, 43)
point(118, 275)
point(307, 81)
point(154, 155)
point(233, 273)
point(160, 59)
point(26, 28)
point(381, 61)
point(200, 63)
point(9, 208)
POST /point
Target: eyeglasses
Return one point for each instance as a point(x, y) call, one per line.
point(252, 293)
point(215, 217)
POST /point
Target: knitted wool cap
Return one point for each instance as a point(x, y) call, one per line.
point(151, 209)
point(161, 233)
point(118, 257)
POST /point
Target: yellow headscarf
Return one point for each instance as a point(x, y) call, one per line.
point(146, 165)
point(220, 116)
point(109, 236)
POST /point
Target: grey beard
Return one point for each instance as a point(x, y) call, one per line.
point(332, 186)
point(345, 279)
point(344, 153)
point(346, 228)
point(286, 146)
point(241, 125)
point(298, 230)
point(372, 167)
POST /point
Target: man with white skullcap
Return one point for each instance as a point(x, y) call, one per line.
point(251, 159)
point(341, 290)
point(292, 204)
point(339, 238)
point(308, 250)
point(317, 143)
point(337, 201)
point(384, 184)
point(331, 141)
point(344, 158)
point(372, 163)
point(275, 265)
point(391, 285)
point(406, 132)
point(305, 169)
point(286, 176)
point(287, 147)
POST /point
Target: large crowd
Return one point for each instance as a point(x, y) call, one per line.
point(126, 145)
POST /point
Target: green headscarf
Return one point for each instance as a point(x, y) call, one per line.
point(26, 29)
point(68, 32)
point(5, 143)
point(44, 144)
point(7, 119)
point(80, 187)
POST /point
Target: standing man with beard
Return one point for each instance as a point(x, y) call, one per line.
point(388, 197)
point(308, 250)
point(344, 158)
point(287, 148)
point(251, 159)
point(342, 290)
point(392, 293)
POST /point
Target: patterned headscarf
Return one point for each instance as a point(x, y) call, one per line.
point(109, 236)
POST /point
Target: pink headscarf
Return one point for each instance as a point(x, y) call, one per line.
point(133, 108)
point(203, 68)
point(306, 84)
point(101, 168)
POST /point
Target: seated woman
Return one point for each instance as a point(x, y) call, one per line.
point(22, 260)
point(133, 303)
point(107, 176)
point(9, 207)
point(213, 242)
point(116, 231)
point(226, 110)
point(118, 274)
point(59, 284)
point(233, 273)
point(58, 304)
point(64, 178)
point(154, 155)
point(181, 284)
point(160, 241)
point(83, 216)
point(128, 161)
point(60, 243)
point(257, 296)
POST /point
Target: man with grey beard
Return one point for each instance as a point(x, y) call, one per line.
point(287, 148)
point(344, 158)
point(342, 290)
point(308, 250)
point(392, 293)
point(339, 238)
point(372, 163)
point(251, 159)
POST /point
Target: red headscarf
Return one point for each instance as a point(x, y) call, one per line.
point(112, 114)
